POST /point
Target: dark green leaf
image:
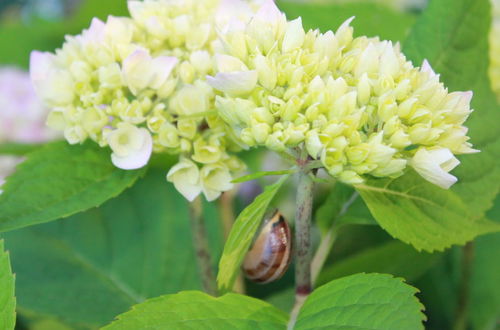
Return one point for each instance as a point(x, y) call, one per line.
point(362, 301)
point(241, 236)
point(393, 258)
point(341, 207)
point(60, 180)
point(197, 310)
point(88, 268)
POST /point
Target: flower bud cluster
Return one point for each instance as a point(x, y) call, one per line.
point(138, 86)
point(355, 104)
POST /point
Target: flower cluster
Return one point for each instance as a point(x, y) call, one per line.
point(138, 86)
point(202, 79)
point(495, 49)
point(355, 104)
point(22, 116)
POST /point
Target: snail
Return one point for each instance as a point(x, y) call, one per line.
point(269, 257)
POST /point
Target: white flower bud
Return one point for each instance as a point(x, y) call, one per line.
point(185, 176)
point(433, 165)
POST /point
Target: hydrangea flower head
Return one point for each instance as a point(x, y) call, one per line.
point(138, 86)
point(355, 104)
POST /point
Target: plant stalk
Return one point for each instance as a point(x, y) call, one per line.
point(202, 251)
point(303, 253)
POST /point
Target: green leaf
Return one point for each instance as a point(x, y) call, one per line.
point(87, 269)
point(453, 36)
point(422, 214)
point(49, 35)
point(342, 207)
point(371, 19)
point(485, 291)
point(393, 258)
point(60, 180)
point(18, 149)
point(258, 175)
point(197, 310)
point(241, 236)
point(362, 301)
point(7, 298)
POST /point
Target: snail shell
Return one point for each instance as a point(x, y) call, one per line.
point(270, 255)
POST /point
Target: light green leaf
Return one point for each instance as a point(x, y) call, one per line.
point(197, 310)
point(7, 298)
point(422, 214)
point(59, 180)
point(241, 236)
point(362, 301)
point(85, 270)
point(18, 149)
point(371, 19)
point(453, 36)
point(258, 175)
point(393, 258)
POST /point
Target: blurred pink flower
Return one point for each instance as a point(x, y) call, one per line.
point(22, 116)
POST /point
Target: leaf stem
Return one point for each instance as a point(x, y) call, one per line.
point(202, 251)
point(303, 253)
point(461, 314)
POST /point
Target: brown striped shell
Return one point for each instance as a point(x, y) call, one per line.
point(270, 255)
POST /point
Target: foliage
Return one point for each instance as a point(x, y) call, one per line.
point(88, 268)
point(59, 180)
point(7, 298)
point(242, 234)
point(362, 301)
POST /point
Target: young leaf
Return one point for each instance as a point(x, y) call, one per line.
point(425, 216)
point(85, 270)
point(362, 301)
point(393, 258)
point(453, 36)
point(197, 310)
point(7, 298)
point(241, 236)
point(59, 180)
